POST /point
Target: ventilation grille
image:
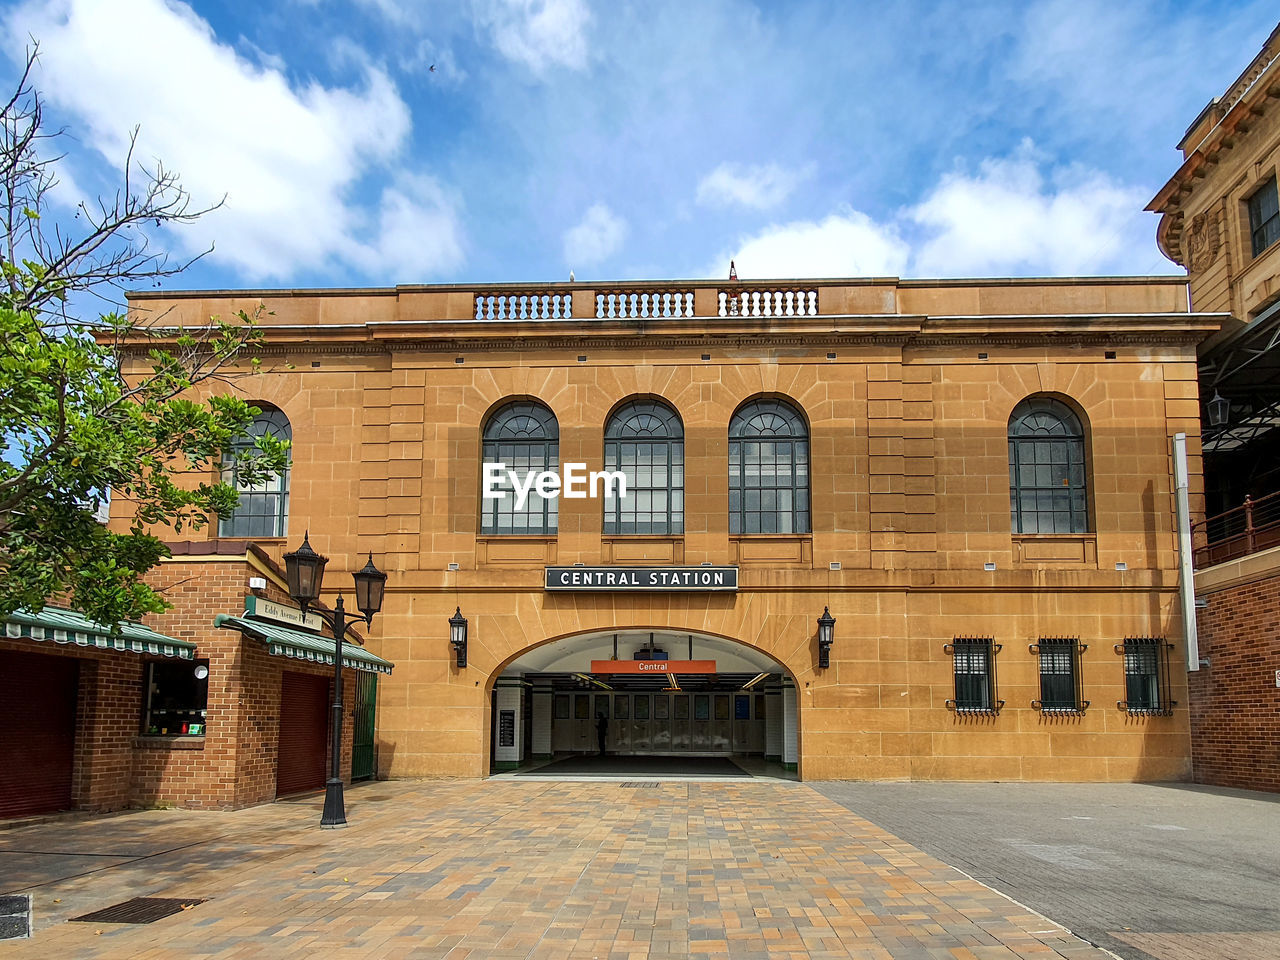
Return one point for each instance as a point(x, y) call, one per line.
point(138, 910)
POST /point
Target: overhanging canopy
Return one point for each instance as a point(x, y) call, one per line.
point(67, 626)
point(297, 645)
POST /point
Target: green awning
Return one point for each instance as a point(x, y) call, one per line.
point(67, 626)
point(283, 642)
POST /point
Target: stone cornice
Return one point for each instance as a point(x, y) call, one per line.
point(892, 332)
point(877, 330)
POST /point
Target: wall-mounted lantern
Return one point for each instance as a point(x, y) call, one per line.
point(826, 636)
point(458, 636)
point(1219, 410)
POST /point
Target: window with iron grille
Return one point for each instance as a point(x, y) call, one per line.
point(263, 510)
point(1146, 676)
point(1264, 216)
point(523, 436)
point(645, 441)
point(1048, 485)
point(974, 663)
point(1060, 687)
point(768, 469)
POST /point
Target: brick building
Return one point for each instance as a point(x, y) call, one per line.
point(1220, 218)
point(182, 712)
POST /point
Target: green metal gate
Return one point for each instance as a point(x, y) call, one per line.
point(363, 759)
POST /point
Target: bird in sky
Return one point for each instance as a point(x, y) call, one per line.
point(432, 68)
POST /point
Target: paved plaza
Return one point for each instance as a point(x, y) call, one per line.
point(541, 869)
point(1163, 871)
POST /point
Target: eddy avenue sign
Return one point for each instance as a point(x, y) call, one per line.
point(661, 579)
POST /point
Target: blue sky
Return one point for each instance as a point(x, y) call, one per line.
point(640, 140)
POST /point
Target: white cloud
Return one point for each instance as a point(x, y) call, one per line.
point(845, 244)
point(1015, 216)
point(538, 33)
point(596, 237)
point(417, 231)
point(287, 158)
point(761, 186)
point(1010, 219)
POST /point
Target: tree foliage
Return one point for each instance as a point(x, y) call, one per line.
point(94, 402)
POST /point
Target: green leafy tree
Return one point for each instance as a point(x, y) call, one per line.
point(94, 402)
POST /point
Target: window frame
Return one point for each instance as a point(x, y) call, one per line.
point(798, 465)
point(270, 417)
point(201, 692)
point(1055, 651)
point(1050, 453)
point(1260, 226)
point(961, 650)
point(622, 430)
point(1157, 694)
point(541, 453)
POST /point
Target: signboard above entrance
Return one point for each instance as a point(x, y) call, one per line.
point(653, 666)
point(660, 579)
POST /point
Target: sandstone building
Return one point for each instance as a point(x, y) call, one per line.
point(972, 479)
point(1220, 218)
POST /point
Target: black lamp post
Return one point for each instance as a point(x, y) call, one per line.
point(826, 636)
point(304, 569)
point(458, 636)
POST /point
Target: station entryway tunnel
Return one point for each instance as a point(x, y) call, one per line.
point(658, 702)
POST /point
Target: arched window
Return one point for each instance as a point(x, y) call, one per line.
point(768, 469)
point(264, 507)
point(523, 437)
point(645, 441)
point(1048, 485)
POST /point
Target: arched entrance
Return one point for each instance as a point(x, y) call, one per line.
point(636, 702)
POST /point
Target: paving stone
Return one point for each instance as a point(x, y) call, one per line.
point(535, 869)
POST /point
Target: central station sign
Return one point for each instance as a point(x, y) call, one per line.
point(653, 666)
point(661, 579)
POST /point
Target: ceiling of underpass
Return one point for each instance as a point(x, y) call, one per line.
point(574, 654)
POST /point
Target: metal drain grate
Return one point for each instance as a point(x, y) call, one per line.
point(640, 783)
point(138, 910)
point(15, 916)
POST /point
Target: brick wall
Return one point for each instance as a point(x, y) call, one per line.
point(1235, 703)
point(200, 772)
point(260, 721)
point(108, 706)
point(234, 763)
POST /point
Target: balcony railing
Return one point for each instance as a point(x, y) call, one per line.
point(1238, 532)
point(649, 301)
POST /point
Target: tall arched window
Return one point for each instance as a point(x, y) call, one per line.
point(264, 507)
point(645, 441)
point(1048, 484)
point(768, 469)
point(524, 437)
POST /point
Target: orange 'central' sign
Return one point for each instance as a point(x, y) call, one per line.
point(653, 666)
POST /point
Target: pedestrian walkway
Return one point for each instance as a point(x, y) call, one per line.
point(518, 868)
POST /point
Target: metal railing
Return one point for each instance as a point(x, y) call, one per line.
point(1238, 532)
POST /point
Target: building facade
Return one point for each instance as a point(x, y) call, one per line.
point(1220, 218)
point(972, 479)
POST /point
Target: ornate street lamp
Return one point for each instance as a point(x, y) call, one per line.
point(826, 636)
point(304, 570)
point(458, 636)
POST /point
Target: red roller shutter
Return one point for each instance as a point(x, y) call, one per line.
point(37, 732)
point(304, 728)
